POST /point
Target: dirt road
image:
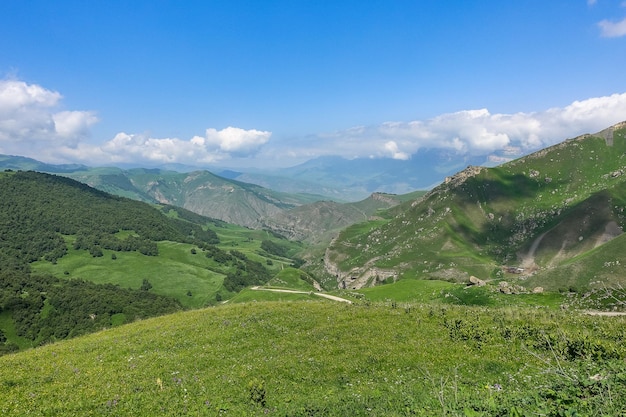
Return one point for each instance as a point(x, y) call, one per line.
point(319, 294)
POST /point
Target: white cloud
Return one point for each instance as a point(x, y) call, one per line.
point(609, 29)
point(233, 139)
point(73, 125)
point(392, 148)
point(17, 95)
point(469, 132)
point(28, 114)
point(32, 124)
point(216, 146)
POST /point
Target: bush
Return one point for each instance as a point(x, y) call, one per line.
point(256, 391)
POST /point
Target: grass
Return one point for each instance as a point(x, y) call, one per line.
point(291, 278)
point(437, 292)
point(319, 358)
point(249, 295)
point(175, 272)
point(407, 290)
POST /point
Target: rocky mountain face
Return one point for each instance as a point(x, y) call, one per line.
point(559, 209)
point(318, 222)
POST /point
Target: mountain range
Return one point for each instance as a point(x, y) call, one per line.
point(344, 179)
point(297, 215)
point(552, 219)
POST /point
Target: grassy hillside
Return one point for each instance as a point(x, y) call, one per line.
point(538, 213)
point(318, 358)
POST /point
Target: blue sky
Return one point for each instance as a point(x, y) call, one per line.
point(274, 83)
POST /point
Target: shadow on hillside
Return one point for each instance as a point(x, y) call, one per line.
point(514, 187)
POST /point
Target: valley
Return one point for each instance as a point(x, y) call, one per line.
point(204, 295)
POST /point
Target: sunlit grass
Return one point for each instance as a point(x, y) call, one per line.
point(175, 272)
point(312, 358)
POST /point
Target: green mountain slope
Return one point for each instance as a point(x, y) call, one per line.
point(536, 213)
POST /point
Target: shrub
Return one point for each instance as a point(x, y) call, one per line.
point(256, 391)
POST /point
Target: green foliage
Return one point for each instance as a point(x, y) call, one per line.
point(145, 285)
point(57, 226)
point(274, 248)
point(256, 389)
point(45, 309)
point(247, 273)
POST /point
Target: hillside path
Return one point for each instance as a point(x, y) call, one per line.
point(605, 313)
point(330, 297)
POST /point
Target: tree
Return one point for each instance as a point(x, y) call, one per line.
point(145, 285)
point(273, 248)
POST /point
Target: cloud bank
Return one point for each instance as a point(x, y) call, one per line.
point(498, 136)
point(32, 123)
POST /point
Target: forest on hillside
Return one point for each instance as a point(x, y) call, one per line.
point(37, 209)
point(45, 309)
point(42, 216)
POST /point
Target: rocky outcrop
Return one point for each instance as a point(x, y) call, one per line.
point(476, 281)
point(462, 176)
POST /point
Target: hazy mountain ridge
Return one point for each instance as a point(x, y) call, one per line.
point(226, 199)
point(355, 179)
point(537, 212)
point(22, 163)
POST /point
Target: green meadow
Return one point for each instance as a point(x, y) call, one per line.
point(180, 270)
point(320, 358)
